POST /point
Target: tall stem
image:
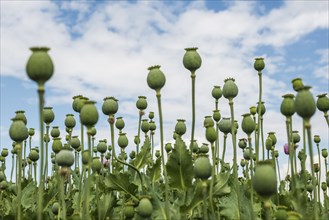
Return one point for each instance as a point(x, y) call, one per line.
point(212, 181)
point(62, 196)
point(224, 149)
point(259, 115)
point(139, 131)
point(19, 180)
point(193, 108)
point(41, 92)
point(46, 163)
point(158, 95)
point(251, 176)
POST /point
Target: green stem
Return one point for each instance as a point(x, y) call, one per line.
point(19, 181)
point(212, 182)
point(277, 164)
point(45, 174)
point(24, 158)
point(204, 194)
point(307, 125)
point(82, 136)
point(251, 176)
point(193, 108)
point(259, 116)
point(139, 130)
point(35, 172)
point(327, 118)
point(291, 154)
point(262, 136)
point(158, 95)
point(62, 196)
point(12, 167)
point(41, 92)
point(223, 153)
point(217, 147)
point(319, 176)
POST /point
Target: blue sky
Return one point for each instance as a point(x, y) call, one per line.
point(104, 48)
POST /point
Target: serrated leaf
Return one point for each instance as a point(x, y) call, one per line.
point(143, 157)
point(180, 167)
point(220, 186)
point(122, 183)
point(29, 196)
point(154, 172)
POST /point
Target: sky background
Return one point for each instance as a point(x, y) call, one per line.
point(103, 48)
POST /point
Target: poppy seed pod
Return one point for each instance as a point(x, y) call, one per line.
point(216, 115)
point(110, 106)
point(80, 103)
point(55, 208)
point(34, 155)
point(75, 142)
point(76, 99)
point(262, 108)
point(297, 84)
point(195, 147)
point(287, 107)
point(204, 148)
point(57, 145)
point(155, 78)
point(322, 102)
point(317, 139)
point(324, 153)
point(86, 157)
point(21, 116)
point(180, 127)
point(65, 158)
point(295, 137)
point(253, 110)
point(31, 132)
point(123, 140)
point(202, 168)
point(101, 146)
point(269, 143)
point(211, 134)
point(230, 89)
point(304, 103)
point(70, 121)
point(48, 115)
point(242, 143)
point(96, 165)
point(259, 64)
point(191, 59)
point(141, 103)
point(119, 123)
point(264, 179)
point(168, 147)
point(18, 131)
point(248, 124)
point(225, 125)
point(145, 126)
point(273, 137)
point(208, 121)
point(216, 92)
point(4, 152)
point(144, 208)
point(281, 213)
point(55, 132)
point(40, 67)
point(152, 125)
point(89, 114)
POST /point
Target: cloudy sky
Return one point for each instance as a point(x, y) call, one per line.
point(103, 48)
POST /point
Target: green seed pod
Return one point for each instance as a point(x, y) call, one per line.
point(39, 67)
point(230, 89)
point(180, 127)
point(96, 165)
point(281, 213)
point(48, 115)
point(324, 153)
point(317, 139)
point(242, 143)
point(216, 92)
point(80, 103)
point(195, 147)
point(119, 123)
point(246, 154)
point(4, 152)
point(46, 138)
point(287, 107)
point(248, 124)
point(225, 125)
point(108, 156)
point(55, 208)
point(89, 114)
point(3, 185)
point(297, 84)
point(273, 137)
point(202, 168)
point(293, 215)
point(18, 131)
point(75, 142)
point(211, 134)
point(259, 64)
point(322, 102)
point(242, 163)
point(145, 126)
point(324, 186)
point(268, 143)
point(152, 125)
point(168, 147)
point(31, 132)
point(110, 106)
point(34, 155)
point(276, 153)
point(57, 145)
point(2, 159)
point(132, 155)
point(95, 150)
point(144, 208)
point(253, 110)
point(204, 148)
point(216, 115)
point(65, 158)
point(191, 59)
point(129, 211)
point(264, 180)
point(304, 103)
point(2, 176)
point(208, 121)
point(155, 78)
point(55, 132)
point(316, 167)
point(123, 140)
point(262, 108)
point(157, 153)
point(141, 103)
point(86, 157)
point(20, 115)
point(295, 137)
point(151, 115)
point(76, 99)
point(101, 146)
point(136, 140)
point(70, 121)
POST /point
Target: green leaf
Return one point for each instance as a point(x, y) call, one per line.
point(143, 157)
point(154, 172)
point(122, 183)
point(221, 184)
point(29, 196)
point(180, 167)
